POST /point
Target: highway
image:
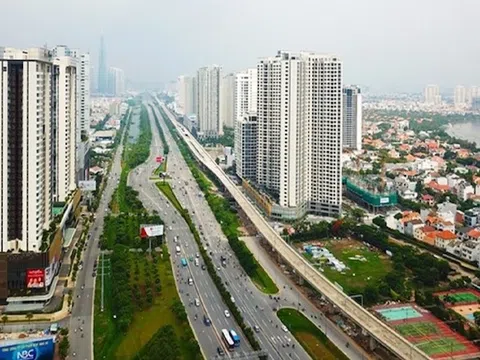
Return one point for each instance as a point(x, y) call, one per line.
point(81, 319)
point(203, 288)
point(380, 331)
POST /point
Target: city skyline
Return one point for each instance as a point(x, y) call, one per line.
point(376, 44)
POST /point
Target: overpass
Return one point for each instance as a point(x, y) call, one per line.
point(382, 333)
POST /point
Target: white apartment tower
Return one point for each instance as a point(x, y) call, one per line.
point(432, 95)
point(245, 93)
point(65, 126)
point(26, 147)
point(208, 101)
point(352, 118)
point(460, 96)
point(227, 90)
point(181, 86)
point(299, 132)
point(246, 146)
point(116, 81)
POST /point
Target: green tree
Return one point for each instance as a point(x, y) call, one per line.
point(64, 348)
point(476, 316)
point(29, 316)
point(358, 214)
point(4, 319)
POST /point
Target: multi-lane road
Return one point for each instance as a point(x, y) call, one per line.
point(81, 319)
point(380, 331)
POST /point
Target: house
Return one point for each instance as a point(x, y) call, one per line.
point(447, 211)
point(425, 234)
point(472, 217)
point(96, 170)
point(442, 225)
point(427, 199)
point(463, 190)
point(452, 180)
point(470, 250)
point(473, 235)
point(462, 232)
point(435, 186)
point(412, 225)
point(406, 217)
point(409, 195)
point(443, 238)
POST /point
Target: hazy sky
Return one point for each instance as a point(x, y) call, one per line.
point(386, 44)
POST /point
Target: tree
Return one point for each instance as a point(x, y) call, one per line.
point(358, 214)
point(398, 216)
point(4, 319)
point(476, 316)
point(380, 221)
point(64, 348)
point(29, 316)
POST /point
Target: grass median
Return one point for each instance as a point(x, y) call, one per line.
point(314, 341)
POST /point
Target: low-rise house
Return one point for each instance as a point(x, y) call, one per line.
point(462, 232)
point(473, 235)
point(472, 217)
point(443, 238)
point(464, 190)
point(427, 199)
point(412, 225)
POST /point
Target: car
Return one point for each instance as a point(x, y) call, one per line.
point(190, 281)
point(170, 228)
point(206, 320)
point(197, 255)
point(232, 299)
point(227, 313)
point(203, 267)
point(284, 328)
point(220, 351)
point(197, 302)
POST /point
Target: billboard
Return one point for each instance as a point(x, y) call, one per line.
point(87, 185)
point(35, 278)
point(384, 200)
point(32, 349)
point(151, 230)
point(159, 159)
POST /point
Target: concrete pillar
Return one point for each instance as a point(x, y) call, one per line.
point(372, 343)
point(300, 280)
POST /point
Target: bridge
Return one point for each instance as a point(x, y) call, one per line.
point(378, 330)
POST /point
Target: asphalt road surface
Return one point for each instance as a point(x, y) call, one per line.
point(210, 302)
point(81, 320)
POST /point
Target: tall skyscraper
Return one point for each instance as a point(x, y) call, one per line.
point(37, 146)
point(208, 101)
point(460, 96)
point(299, 132)
point(246, 146)
point(352, 118)
point(227, 90)
point(245, 93)
point(187, 95)
point(182, 93)
point(102, 69)
point(432, 95)
point(116, 82)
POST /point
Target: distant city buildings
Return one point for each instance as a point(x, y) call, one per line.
point(38, 143)
point(227, 93)
point(352, 118)
point(432, 95)
point(116, 82)
point(460, 97)
point(208, 101)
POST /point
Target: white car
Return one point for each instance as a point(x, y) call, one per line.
point(197, 302)
point(284, 328)
point(232, 299)
point(227, 313)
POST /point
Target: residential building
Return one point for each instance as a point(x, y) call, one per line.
point(245, 93)
point(432, 95)
point(180, 108)
point(187, 95)
point(299, 138)
point(472, 217)
point(473, 92)
point(37, 146)
point(208, 101)
point(352, 118)
point(443, 238)
point(116, 81)
point(102, 69)
point(246, 146)
point(460, 96)
point(227, 93)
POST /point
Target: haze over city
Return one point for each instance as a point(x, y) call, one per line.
point(386, 45)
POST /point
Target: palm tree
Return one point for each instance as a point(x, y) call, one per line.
point(4, 319)
point(29, 316)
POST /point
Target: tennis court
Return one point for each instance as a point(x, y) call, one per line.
point(459, 297)
point(428, 333)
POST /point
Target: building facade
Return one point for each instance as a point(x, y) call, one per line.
point(246, 146)
point(352, 118)
point(245, 93)
point(227, 90)
point(102, 83)
point(432, 95)
point(460, 96)
point(208, 101)
point(299, 132)
point(116, 81)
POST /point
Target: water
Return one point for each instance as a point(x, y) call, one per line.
point(469, 131)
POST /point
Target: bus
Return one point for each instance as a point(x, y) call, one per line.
point(184, 262)
point(227, 340)
point(177, 249)
point(235, 338)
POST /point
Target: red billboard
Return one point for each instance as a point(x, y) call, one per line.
point(35, 278)
point(159, 159)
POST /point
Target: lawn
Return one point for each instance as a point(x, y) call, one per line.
point(315, 343)
point(161, 168)
point(359, 273)
point(264, 282)
point(110, 344)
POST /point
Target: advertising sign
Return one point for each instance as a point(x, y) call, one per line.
point(39, 349)
point(50, 272)
point(384, 200)
point(35, 278)
point(159, 159)
point(151, 230)
point(87, 185)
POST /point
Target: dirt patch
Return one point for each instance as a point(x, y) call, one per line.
point(315, 348)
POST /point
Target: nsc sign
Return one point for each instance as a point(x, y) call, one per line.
point(87, 185)
point(147, 231)
point(38, 349)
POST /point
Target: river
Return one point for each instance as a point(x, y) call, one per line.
point(466, 131)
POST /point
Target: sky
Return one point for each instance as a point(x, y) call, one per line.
point(387, 45)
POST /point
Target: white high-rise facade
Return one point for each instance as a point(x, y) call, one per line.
point(460, 96)
point(227, 90)
point(246, 146)
point(352, 118)
point(432, 95)
point(208, 101)
point(182, 93)
point(245, 93)
point(299, 132)
point(65, 128)
point(116, 81)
